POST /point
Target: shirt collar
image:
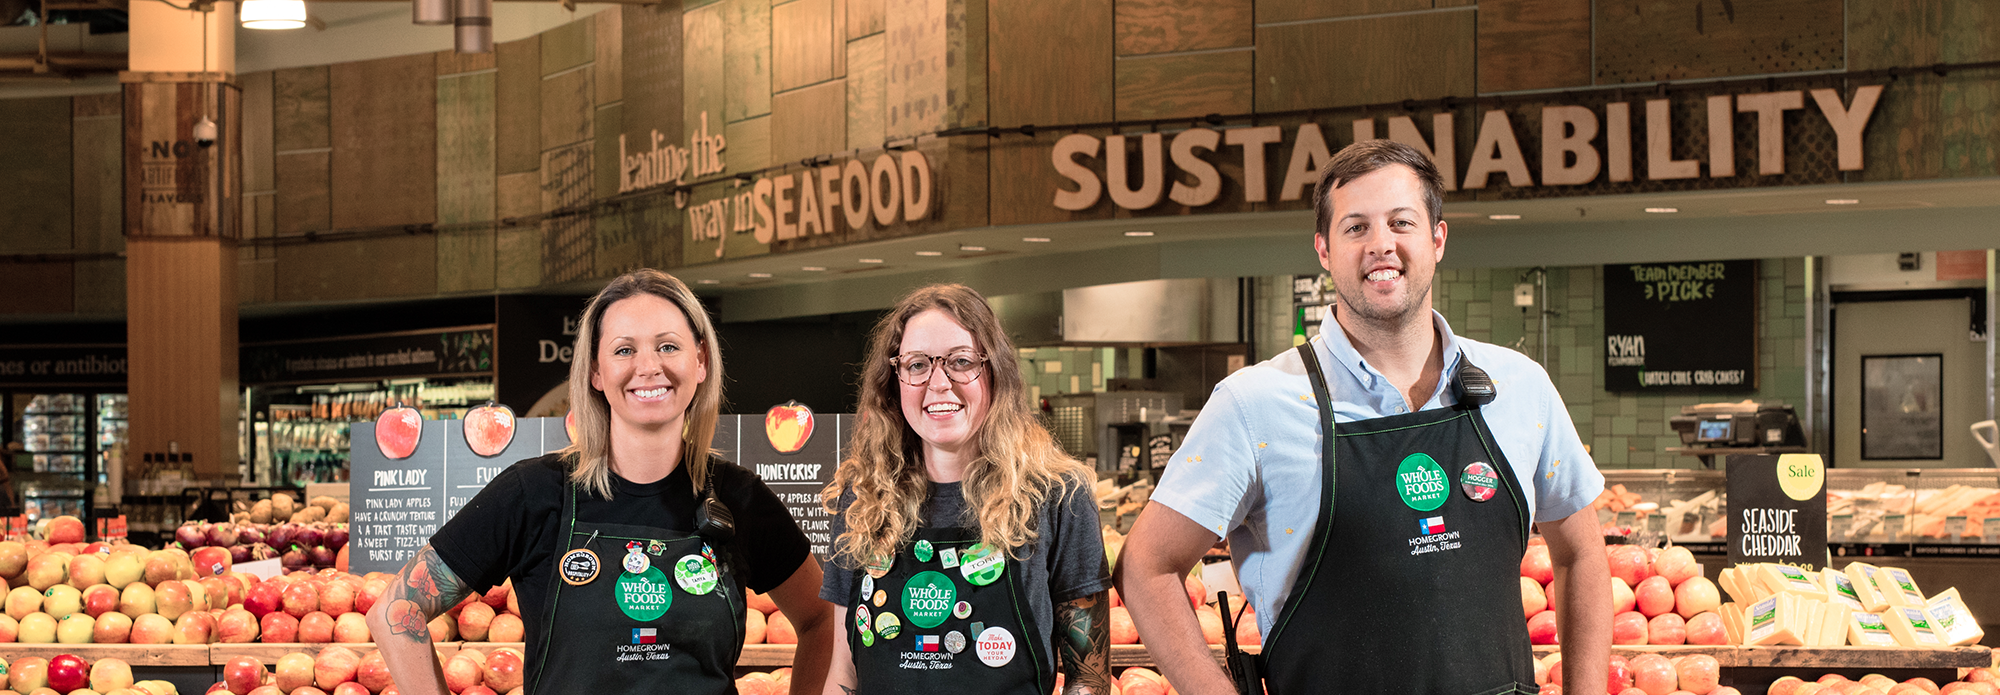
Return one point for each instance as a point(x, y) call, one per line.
point(1335, 344)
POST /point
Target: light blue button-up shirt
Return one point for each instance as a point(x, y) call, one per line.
point(1250, 469)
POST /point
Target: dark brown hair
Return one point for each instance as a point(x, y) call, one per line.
point(1366, 157)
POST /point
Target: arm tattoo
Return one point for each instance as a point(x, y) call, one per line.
point(849, 691)
point(424, 589)
point(1085, 645)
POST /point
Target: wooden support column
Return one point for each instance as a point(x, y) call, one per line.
point(182, 222)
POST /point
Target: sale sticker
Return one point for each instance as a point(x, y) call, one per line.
point(1479, 481)
point(995, 646)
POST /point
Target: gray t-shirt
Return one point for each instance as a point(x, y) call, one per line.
point(1066, 563)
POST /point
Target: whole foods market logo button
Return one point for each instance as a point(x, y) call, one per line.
point(922, 551)
point(643, 596)
point(1479, 481)
point(928, 599)
point(579, 566)
point(982, 565)
point(995, 647)
point(1421, 482)
point(695, 574)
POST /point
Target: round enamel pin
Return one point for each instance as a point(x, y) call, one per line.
point(922, 551)
point(867, 638)
point(878, 566)
point(861, 618)
point(867, 587)
point(579, 567)
point(962, 611)
point(1479, 481)
point(695, 574)
point(889, 625)
point(954, 641)
point(880, 598)
point(982, 565)
point(635, 558)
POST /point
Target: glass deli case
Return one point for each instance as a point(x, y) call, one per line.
point(1870, 511)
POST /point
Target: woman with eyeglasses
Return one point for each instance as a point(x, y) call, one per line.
point(967, 556)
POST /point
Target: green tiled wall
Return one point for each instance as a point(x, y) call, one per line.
point(1078, 362)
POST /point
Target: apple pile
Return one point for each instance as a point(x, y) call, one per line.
point(777, 682)
point(1980, 681)
point(1646, 674)
point(338, 670)
point(1205, 611)
point(68, 674)
point(765, 624)
point(1657, 597)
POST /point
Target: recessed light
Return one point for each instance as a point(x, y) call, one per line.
point(707, 281)
point(813, 268)
point(1503, 217)
point(760, 275)
point(1843, 201)
point(966, 247)
point(930, 253)
point(1035, 239)
point(871, 260)
point(1663, 210)
point(1138, 233)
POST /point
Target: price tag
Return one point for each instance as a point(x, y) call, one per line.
point(1838, 526)
point(1954, 527)
point(1656, 522)
point(1892, 527)
point(1627, 519)
point(1974, 531)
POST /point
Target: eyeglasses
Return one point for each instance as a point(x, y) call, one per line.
point(915, 368)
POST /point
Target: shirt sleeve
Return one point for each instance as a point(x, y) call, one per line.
point(1566, 479)
point(1077, 567)
point(837, 581)
point(487, 538)
point(1210, 478)
point(767, 537)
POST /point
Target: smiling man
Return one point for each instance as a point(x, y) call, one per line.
point(1378, 484)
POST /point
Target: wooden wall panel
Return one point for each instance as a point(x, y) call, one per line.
point(182, 346)
point(749, 146)
point(1187, 85)
point(1968, 35)
point(1970, 132)
point(747, 59)
point(651, 74)
point(518, 249)
point(915, 91)
point(569, 248)
point(810, 121)
point(609, 62)
point(865, 18)
point(384, 127)
point(35, 215)
point(1533, 44)
point(1904, 141)
point(567, 108)
point(1166, 26)
point(257, 130)
point(304, 202)
point(703, 86)
point(1064, 77)
point(867, 82)
point(1339, 63)
point(802, 44)
point(1024, 184)
point(517, 99)
point(1294, 10)
point(965, 60)
point(38, 288)
point(98, 174)
point(465, 181)
point(569, 46)
point(452, 62)
point(1653, 40)
point(608, 124)
point(257, 281)
point(300, 108)
point(382, 267)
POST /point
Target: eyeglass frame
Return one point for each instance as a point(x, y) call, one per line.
point(896, 363)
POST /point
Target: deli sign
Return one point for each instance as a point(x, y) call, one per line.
point(1572, 153)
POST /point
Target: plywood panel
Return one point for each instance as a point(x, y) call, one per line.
point(1297, 63)
point(391, 266)
point(384, 127)
point(1533, 44)
point(1175, 86)
point(610, 64)
point(1652, 40)
point(452, 62)
point(568, 242)
point(568, 46)
point(1064, 76)
point(35, 142)
point(517, 104)
point(299, 109)
point(749, 145)
point(304, 202)
point(706, 40)
point(609, 123)
point(181, 328)
point(864, 18)
point(808, 122)
point(98, 206)
point(746, 60)
point(518, 249)
point(802, 44)
point(1166, 26)
point(257, 133)
point(38, 288)
point(965, 60)
point(465, 183)
point(1295, 10)
point(867, 81)
point(1024, 183)
point(567, 108)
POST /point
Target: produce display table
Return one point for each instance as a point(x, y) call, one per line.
point(1752, 669)
point(135, 654)
point(269, 653)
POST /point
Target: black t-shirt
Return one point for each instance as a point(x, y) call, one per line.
point(512, 529)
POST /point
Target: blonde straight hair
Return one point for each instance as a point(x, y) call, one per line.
point(1019, 469)
point(590, 454)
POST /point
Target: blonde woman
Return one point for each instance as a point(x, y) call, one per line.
point(630, 570)
point(967, 553)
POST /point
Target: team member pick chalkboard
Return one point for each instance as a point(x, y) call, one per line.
point(967, 558)
point(631, 548)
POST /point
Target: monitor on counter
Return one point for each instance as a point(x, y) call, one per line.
point(1719, 430)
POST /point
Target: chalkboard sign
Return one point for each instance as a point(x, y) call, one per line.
point(398, 503)
point(1680, 326)
point(1777, 509)
point(794, 460)
point(1159, 450)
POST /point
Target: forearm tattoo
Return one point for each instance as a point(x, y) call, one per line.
point(849, 691)
point(424, 589)
point(1085, 645)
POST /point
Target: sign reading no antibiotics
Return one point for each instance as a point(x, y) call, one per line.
point(1680, 326)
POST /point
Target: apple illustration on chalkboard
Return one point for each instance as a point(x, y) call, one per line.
point(788, 426)
point(397, 431)
point(489, 429)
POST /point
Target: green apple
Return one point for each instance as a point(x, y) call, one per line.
point(62, 601)
point(37, 628)
point(75, 629)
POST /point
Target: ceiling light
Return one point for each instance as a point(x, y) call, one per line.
point(708, 281)
point(813, 268)
point(1843, 201)
point(1138, 234)
point(1503, 217)
point(273, 14)
point(760, 275)
point(966, 247)
point(930, 253)
point(871, 260)
point(1035, 239)
point(1663, 210)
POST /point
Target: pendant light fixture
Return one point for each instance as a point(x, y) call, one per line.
point(430, 12)
point(474, 24)
point(273, 14)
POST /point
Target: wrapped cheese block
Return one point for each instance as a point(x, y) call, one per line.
point(1954, 624)
point(1840, 589)
point(1912, 627)
point(1866, 588)
point(1900, 589)
point(1868, 630)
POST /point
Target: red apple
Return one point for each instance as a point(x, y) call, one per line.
point(161, 565)
point(461, 673)
point(152, 629)
point(333, 666)
point(1699, 673)
point(1696, 595)
point(194, 628)
point(506, 627)
point(1618, 675)
point(278, 627)
point(1542, 628)
point(215, 590)
point(111, 628)
point(1654, 596)
point(13, 559)
point(237, 626)
point(174, 598)
point(474, 620)
point(349, 688)
point(1621, 597)
point(1535, 565)
point(268, 690)
point(210, 561)
point(1666, 628)
point(295, 670)
point(264, 598)
point(1629, 562)
point(68, 672)
point(483, 690)
point(788, 427)
point(496, 597)
point(489, 429)
point(47, 570)
point(301, 598)
point(100, 599)
point(351, 628)
point(316, 628)
point(1654, 674)
point(110, 674)
point(308, 690)
point(243, 674)
point(1197, 593)
point(1706, 628)
point(1532, 599)
point(1628, 628)
point(1122, 629)
point(761, 603)
point(398, 430)
point(373, 672)
point(86, 570)
point(504, 670)
point(65, 529)
point(28, 673)
point(1246, 629)
point(1676, 564)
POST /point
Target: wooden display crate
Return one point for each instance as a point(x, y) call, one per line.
point(134, 654)
point(1735, 656)
point(219, 654)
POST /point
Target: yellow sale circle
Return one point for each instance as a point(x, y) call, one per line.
point(1801, 476)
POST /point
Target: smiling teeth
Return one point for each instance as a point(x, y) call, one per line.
point(1381, 275)
point(939, 408)
point(651, 393)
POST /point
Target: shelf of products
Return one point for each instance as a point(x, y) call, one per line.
point(300, 435)
point(1870, 511)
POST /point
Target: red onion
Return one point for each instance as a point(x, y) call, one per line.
point(223, 534)
point(321, 557)
point(239, 554)
point(309, 536)
point(191, 536)
point(295, 559)
point(280, 536)
point(259, 551)
point(249, 535)
point(336, 538)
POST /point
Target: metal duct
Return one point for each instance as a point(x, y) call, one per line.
point(430, 12)
point(475, 26)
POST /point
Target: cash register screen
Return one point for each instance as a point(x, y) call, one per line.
point(1713, 430)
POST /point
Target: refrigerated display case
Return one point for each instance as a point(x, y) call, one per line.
point(299, 434)
point(56, 431)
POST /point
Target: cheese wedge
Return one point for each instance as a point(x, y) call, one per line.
point(1732, 622)
point(1866, 588)
point(1834, 632)
point(1954, 623)
point(1866, 629)
point(1815, 620)
point(1786, 579)
point(1775, 621)
point(1912, 627)
point(1901, 588)
point(1840, 589)
point(1727, 580)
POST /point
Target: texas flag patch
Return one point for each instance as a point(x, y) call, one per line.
point(1431, 526)
point(645, 635)
point(927, 643)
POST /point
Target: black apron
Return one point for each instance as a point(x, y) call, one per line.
point(674, 625)
point(939, 629)
point(1409, 584)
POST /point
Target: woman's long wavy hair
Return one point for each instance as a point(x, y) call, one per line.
point(1019, 467)
point(590, 454)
